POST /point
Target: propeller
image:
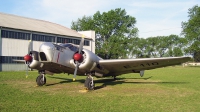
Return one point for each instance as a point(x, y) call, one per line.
point(78, 57)
point(28, 58)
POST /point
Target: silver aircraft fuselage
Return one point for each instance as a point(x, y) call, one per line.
point(59, 59)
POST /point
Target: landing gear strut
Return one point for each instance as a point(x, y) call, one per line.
point(89, 83)
point(114, 77)
point(41, 79)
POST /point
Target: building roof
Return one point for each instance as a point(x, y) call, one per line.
point(24, 23)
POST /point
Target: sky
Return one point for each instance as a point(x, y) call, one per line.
point(154, 17)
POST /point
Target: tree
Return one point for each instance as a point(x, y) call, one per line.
point(152, 46)
point(114, 30)
point(177, 52)
point(86, 23)
point(138, 48)
point(191, 30)
point(164, 46)
point(175, 45)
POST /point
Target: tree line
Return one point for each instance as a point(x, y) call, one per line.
point(160, 46)
point(117, 37)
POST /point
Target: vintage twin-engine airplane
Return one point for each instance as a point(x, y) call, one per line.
point(68, 58)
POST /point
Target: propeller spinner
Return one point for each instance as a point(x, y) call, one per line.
point(28, 58)
point(78, 57)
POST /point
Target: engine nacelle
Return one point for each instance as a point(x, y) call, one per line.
point(35, 60)
point(89, 61)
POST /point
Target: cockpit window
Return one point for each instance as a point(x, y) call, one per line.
point(59, 48)
point(70, 46)
point(65, 45)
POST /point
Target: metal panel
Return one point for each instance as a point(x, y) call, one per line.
point(14, 47)
point(12, 67)
point(36, 45)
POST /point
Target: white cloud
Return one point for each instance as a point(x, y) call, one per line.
point(160, 17)
point(61, 12)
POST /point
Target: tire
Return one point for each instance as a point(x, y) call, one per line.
point(39, 80)
point(88, 84)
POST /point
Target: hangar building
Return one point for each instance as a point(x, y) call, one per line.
point(16, 32)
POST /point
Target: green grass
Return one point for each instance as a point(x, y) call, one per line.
point(171, 89)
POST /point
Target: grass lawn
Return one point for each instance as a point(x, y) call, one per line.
point(171, 89)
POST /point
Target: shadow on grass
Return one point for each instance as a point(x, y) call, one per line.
point(112, 82)
point(136, 78)
point(64, 80)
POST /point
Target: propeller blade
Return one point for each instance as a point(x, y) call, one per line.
point(26, 64)
point(81, 44)
point(78, 56)
point(28, 58)
point(27, 71)
point(29, 46)
point(75, 71)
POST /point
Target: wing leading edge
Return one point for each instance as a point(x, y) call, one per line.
point(120, 66)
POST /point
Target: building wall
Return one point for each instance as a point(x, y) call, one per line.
point(36, 45)
point(13, 67)
point(14, 47)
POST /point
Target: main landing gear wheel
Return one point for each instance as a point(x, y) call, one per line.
point(89, 84)
point(41, 80)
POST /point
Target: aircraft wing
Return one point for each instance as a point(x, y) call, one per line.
point(121, 66)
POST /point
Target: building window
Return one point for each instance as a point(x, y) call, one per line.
point(9, 59)
point(87, 43)
point(38, 37)
point(70, 40)
point(15, 35)
point(43, 38)
point(1, 61)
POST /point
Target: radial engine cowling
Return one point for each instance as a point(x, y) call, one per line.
point(88, 62)
point(34, 63)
